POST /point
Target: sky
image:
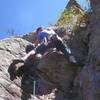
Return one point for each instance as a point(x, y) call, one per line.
point(23, 16)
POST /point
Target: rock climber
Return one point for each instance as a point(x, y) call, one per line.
point(46, 39)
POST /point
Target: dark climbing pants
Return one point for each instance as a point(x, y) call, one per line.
point(56, 43)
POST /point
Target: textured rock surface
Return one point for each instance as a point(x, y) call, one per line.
point(49, 86)
point(89, 78)
point(30, 36)
point(55, 77)
point(57, 70)
point(9, 49)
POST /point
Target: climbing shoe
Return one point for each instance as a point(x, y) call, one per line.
point(77, 64)
point(15, 61)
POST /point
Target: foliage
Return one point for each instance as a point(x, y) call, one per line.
point(87, 0)
point(66, 16)
point(83, 18)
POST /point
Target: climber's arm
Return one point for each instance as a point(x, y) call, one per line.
point(38, 41)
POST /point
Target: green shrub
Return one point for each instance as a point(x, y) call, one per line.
point(65, 17)
point(68, 14)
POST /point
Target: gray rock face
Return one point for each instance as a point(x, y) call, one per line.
point(58, 71)
point(53, 74)
point(55, 77)
point(17, 87)
point(30, 36)
point(90, 76)
point(9, 49)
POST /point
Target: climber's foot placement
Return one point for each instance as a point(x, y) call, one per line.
point(73, 61)
point(21, 60)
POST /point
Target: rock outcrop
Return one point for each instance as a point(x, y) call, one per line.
point(53, 74)
point(10, 49)
point(73, 3)
point(90, 76)
point(52, 77)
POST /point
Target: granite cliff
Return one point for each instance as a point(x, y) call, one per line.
point(52, 77)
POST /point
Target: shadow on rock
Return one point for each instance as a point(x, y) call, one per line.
point(46, 78)
point(28, 75)
point(31, 83)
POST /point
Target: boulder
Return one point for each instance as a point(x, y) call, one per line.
point(48, 78)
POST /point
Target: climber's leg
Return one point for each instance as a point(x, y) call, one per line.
point(64, 49)
point(22, 60)
point(31, 53)
point(39, 49)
